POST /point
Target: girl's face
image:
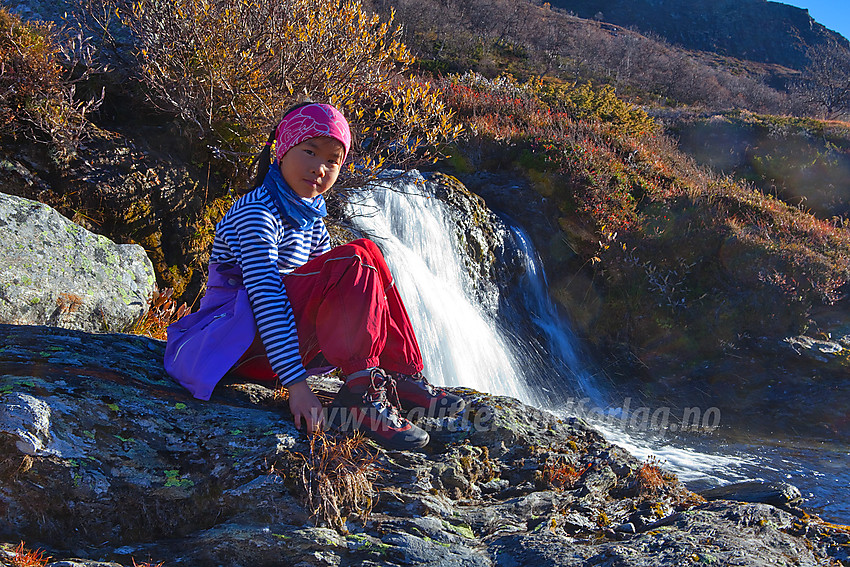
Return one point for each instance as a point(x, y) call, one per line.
point(311, 167)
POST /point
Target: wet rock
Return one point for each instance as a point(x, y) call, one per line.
point(628, 528)
point(545, 548)
point(600, 481)
point(575, 521)
point(111, 432)
point(819, 350)
point(776, 493)
point(479, 231)
point(406, 549)
point(760, 515)
point(58, 273)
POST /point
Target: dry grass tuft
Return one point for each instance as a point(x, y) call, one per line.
point(337, 479)
point(23, 557)
point(281, 394)
point(162, 313)
point(12, 463)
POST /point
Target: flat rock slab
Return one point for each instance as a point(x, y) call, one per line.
point(104, 460)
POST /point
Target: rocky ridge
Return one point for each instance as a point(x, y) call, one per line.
point(106, 461)
point(755, 30)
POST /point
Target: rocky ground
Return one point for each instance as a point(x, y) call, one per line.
point(105, 461)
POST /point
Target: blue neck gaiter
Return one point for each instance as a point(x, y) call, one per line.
point(300, 212)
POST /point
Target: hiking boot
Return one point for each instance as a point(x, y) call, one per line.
point(414, 391)
point(362, 405)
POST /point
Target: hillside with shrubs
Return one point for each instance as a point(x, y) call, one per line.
point(753, 30)
point(140, 120)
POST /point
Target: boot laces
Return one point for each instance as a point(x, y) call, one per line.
point(381, 392)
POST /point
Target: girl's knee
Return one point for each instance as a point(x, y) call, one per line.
point(367, 247)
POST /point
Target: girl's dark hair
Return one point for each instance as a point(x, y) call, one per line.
point(262, 162)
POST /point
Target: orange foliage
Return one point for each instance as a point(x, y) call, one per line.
point(559, 474)
point(163, 312)
point(28, 64)
point(28, 558)
point(36, 91)
point(651, 479)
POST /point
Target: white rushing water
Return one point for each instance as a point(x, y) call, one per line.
point(459, 339)
point(556, 347)
point(464, 344)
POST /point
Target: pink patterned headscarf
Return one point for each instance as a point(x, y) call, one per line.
point(311, 121)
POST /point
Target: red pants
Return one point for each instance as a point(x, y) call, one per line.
point(347, 309)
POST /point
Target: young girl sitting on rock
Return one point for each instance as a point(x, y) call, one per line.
point(280, 301)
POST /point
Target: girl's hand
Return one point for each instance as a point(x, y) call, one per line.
point(304, 404)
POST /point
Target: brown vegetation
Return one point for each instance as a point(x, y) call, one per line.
point(12, 462)
point(527, 39)
point(23, 557)
point(657, 230)
point(669, 244)
point(69, 302)
point(651, 478)
point(162, 312)
point(824, 88)
point(38, 77)
point(336, 479)
point(558, 473)
point(802, 161)
point(229, 70)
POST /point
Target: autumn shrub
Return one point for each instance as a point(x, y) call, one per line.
point(229, 69)
point(651, 480)
point(585, 102)
point(567, 138)
point(29, 65)
point(38, 78)
point(557, 472)
point(686, 256)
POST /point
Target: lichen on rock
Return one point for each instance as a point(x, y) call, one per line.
point(58, 273)
point(103, 451)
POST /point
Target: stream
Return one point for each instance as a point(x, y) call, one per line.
point(515, 343)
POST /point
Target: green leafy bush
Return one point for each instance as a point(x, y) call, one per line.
point(585, 102)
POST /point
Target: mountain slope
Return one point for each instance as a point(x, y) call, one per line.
point(766, 32)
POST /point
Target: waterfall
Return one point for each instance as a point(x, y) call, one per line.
point(517, 344)
point(548, 339)
point(463, 342)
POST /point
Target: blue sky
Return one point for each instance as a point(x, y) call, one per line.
point(834, 14)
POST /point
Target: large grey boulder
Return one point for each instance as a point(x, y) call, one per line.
point(57, 273)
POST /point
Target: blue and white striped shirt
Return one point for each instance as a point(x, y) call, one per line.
point(266, 247)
